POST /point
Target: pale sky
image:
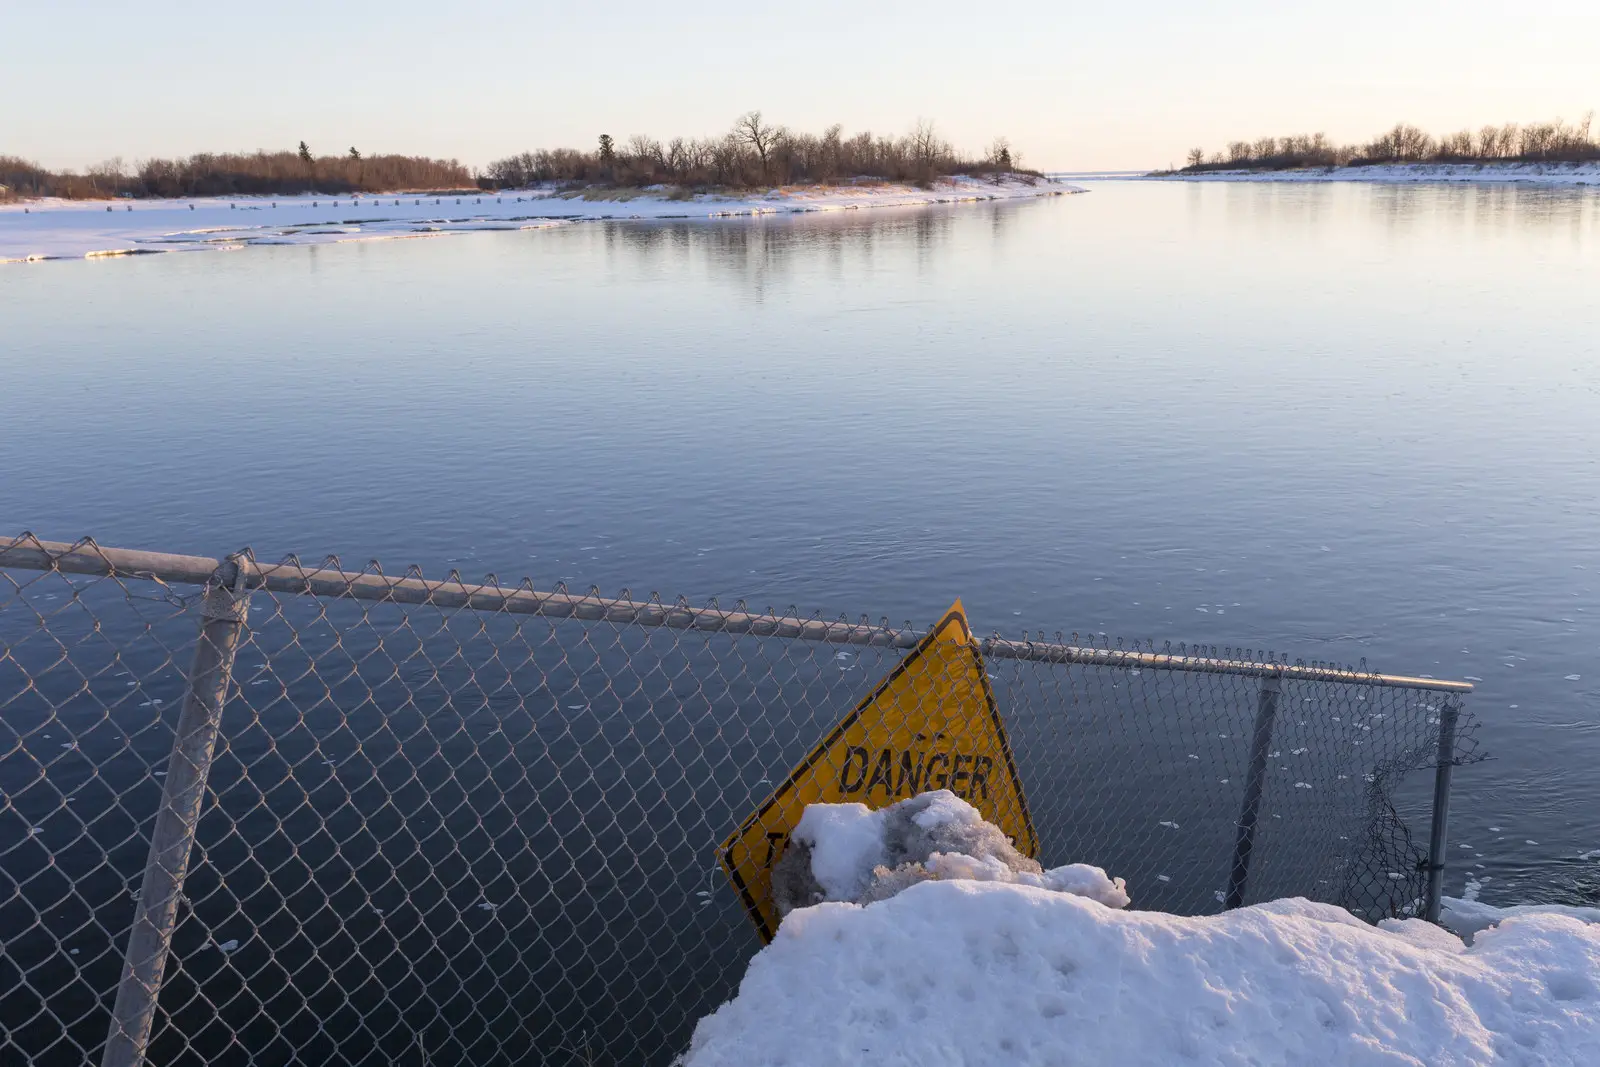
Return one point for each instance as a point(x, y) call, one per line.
point(1073, 85)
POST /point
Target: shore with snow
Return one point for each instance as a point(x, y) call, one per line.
point(921, 936)
point(76, 229)
point(1531, 173)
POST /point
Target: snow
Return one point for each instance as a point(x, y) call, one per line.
point(846, 843)
point(70, 229)
point(976, 973)
point(1540, 173)
point(1469, 917)
point(978, 966)
point(848, 852)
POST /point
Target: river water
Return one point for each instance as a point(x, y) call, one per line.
point(1342, 422)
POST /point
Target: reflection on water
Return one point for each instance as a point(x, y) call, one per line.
point(754, 256)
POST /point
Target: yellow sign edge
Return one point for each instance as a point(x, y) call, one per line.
point(956, 613)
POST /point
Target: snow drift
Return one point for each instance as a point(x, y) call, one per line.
point(1023, 967)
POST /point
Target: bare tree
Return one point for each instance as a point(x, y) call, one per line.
point(1000, 153)
point(678, 157)
point(725, 159)
point(1197, 156)
point(830, 152)
point(647, 150)
point(925, 148)
point(761, 137)
point(1458, 145)
point(108, 176)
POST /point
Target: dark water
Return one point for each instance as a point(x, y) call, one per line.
point(1340, 421)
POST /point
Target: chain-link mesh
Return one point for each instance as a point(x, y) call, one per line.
point(441, 835)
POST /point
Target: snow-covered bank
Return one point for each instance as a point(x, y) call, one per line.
point(72, 229)
point(1537, 173)
point(982, 973)
point(1006, 970)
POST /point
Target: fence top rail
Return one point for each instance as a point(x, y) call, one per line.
point(243, 572)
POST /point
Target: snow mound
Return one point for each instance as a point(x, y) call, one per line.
point(849, 852)
point(980, 973)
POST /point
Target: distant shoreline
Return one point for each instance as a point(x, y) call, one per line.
point(1569, 174)
point(80, 229)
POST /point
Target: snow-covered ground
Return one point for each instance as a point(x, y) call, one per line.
point(1000, 970)
point(71, 229)
point(1538, 173)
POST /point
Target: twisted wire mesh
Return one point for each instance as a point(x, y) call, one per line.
point(437, 835)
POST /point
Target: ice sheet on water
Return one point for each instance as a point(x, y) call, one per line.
point(53, 229)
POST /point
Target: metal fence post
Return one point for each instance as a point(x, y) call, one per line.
point(1254, 783)
point(193, 744)
point(1441, 806)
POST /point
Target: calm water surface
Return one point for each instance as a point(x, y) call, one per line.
point(1342, 421)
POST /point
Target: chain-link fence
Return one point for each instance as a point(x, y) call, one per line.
point(275, 814)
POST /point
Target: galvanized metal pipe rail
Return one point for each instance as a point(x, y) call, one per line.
point(293, 577)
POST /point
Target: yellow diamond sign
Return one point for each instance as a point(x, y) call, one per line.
point(931, 724)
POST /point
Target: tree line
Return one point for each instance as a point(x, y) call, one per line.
point(755, 152)
point(225, 174)
point(1536, 142)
